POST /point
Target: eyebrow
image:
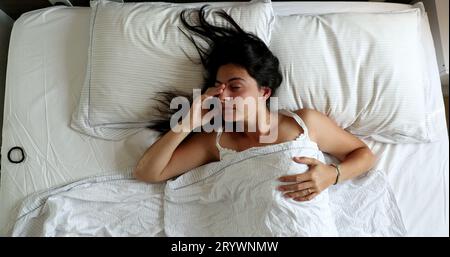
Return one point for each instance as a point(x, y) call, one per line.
point(236, 78)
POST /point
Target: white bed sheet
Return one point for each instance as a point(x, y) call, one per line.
point(46, 64)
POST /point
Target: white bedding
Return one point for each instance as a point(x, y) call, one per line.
point(110, 205)
point(44, 79)
point(216, 199)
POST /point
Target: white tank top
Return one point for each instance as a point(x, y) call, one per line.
point(226, 152)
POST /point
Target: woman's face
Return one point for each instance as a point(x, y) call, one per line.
point(241, 88)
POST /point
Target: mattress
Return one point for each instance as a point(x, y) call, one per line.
point(46, 68)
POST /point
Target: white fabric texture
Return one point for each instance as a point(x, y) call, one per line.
point(46, 68)
point(217, 199)
point(137, 50)
point(238, 197)
point(111, 205)
point(364, 70)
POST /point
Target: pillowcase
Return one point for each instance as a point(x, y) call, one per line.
point(363, 70)
point(136, 50)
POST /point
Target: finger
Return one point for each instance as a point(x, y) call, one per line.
point(208, 100)
point(205, 99)
point(296, 186)
point(299, 194)
point(212, 91)
point(221, 86)
point(307, 160)
point(296, 178)
point(306, 198)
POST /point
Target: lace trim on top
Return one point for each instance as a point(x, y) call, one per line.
point(223, 151)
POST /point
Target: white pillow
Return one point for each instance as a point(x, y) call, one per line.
point(136, 49)
point(364, 70)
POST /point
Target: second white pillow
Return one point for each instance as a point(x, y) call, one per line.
point(363, 70)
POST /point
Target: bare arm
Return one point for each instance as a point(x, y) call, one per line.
point(356, 158)
point(170, 156)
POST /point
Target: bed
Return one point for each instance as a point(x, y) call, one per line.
point(46, 66)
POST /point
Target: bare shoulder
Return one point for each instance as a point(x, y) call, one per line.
point(313, 120)
point(310, 116)
point(306, 113)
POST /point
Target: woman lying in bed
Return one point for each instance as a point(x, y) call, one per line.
point(240, 66)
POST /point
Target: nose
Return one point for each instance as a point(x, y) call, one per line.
point(224, 94)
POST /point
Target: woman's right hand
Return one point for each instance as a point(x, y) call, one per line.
point(197, 103)
point(171, 155)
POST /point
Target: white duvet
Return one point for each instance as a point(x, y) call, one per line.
point(110, 205)
point(233, 197)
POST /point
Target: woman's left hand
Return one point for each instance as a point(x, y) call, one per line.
point(308, 185)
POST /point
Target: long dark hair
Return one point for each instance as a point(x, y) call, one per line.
point(225, 45)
